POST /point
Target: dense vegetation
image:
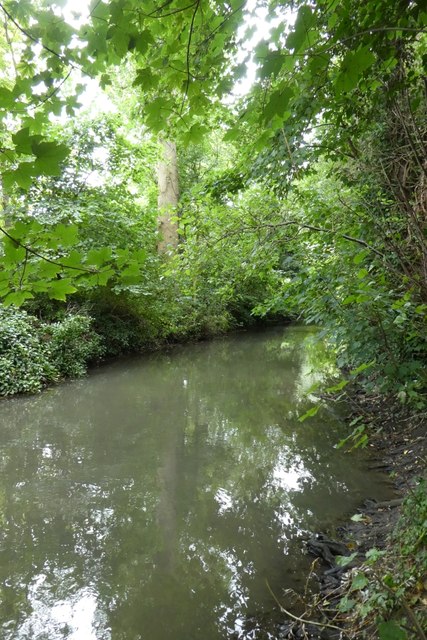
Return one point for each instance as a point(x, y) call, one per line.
point(305, 198)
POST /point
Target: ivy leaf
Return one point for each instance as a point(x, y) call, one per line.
point(346, 604)
point(358, 517)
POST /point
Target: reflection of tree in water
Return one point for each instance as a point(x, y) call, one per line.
point(170, 488)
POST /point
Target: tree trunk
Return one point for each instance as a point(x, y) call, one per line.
point(168, 184)
point(5, 209)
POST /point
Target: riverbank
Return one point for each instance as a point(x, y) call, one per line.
point(36, 354)
point(378, 588)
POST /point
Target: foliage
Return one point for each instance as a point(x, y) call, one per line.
point(34, 353)
point(25, 363)
point(306, 199)
point(342, 277)
point(346, 251)
point(390, 587)
point(73, 344)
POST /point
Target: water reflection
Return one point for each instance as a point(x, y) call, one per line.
point(154, 499)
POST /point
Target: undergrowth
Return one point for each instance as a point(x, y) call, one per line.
point(386, 597)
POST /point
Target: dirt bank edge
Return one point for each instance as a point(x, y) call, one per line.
point(381, 591)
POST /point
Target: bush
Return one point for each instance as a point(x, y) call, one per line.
point(74, 345)
point(25, 364)
point(126, 322)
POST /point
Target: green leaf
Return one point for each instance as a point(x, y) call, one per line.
point(120, 41)
point(362, 367)
point(372, 555)
point(22, 176)
point(98, 257)
point(74, 259)
point(17, 298)
point(310, 413)
point(66, 234)
point(358, 517)
point(352, 68)
point(361, 256)
point(143, 41)
point(23, 141)
point(304, 22)
point(360, 581)
point(232, 134)
point(195, 134)
point(391, 631)
point(59, 289)
point(49, 157)
point(104, 276)
point(362, 273)
point(343, 561)
point(48, 270)
point(13, 253)
point(7, 98)
point(145, 79)
point(338, 387)
point(278, 102)
point(271, 65)
point(346, 604)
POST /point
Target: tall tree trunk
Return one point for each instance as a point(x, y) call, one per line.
point(5, 210)
point(168, 184)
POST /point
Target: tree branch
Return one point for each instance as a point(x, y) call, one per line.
point(45, 258)
point(28, 35)
point(190, 35)
point(170, 13)
point(310, 227)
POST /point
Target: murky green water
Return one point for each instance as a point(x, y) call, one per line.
point(154, 499)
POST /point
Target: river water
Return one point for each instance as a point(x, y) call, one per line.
point(154, 499)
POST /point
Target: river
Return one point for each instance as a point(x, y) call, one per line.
point(155, 498)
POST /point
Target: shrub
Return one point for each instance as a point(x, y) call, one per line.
point(73, 345)
point(25, 364)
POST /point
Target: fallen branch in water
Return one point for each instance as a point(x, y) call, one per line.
point(302, 620)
